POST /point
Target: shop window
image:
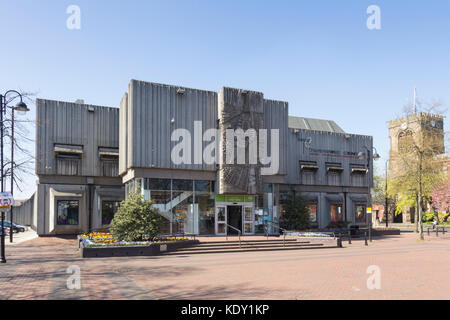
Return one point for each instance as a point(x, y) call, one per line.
point(313, 213)
point(68, 212)
point(109, 209)
point(337, 214)
point(360, 213)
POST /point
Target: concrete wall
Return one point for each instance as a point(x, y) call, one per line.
point(153, 112)
point(71, 124)
point(24, 214)
point(326, 148)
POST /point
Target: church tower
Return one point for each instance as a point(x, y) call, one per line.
point(402, 130)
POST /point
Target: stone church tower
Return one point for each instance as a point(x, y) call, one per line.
point(403, 129)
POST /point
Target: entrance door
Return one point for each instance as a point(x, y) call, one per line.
point(221, 220)
point(234, 218)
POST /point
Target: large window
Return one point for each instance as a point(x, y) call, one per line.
point(109, 209)
point(191, 212)
point(336, 213)
point(68, 212)
point(205, 205)
point(360, 213)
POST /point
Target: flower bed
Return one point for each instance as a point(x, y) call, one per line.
point(100, 244)
point(314, 235)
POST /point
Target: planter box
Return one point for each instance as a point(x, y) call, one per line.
point(134, 251)
point(387, 232)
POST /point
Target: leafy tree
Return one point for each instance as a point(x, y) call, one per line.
point(441, 198)
point(378, 190)
point(136, 219)
point(296, 214)
point(418, 172)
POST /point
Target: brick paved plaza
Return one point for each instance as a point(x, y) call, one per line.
point(410, 269)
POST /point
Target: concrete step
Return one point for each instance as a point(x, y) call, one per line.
point(191, 251)
point(201, 247)
point(234, 243)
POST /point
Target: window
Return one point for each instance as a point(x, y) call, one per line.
point(313, 213)
point(308, 172)
point(336, 213)
point(360, 213)
point(358, 175)
point(68, 164)
point(67, 212)
point(109, 209)
point(405, 141)
point(334, 172)
point(110, 165)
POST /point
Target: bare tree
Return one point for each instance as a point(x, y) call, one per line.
point(22, 165)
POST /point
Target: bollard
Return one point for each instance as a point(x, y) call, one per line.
point(339, 242)
point(370, 233)
point(428, 231)
point(365, 238)
point(349, 237)
point(437, 231)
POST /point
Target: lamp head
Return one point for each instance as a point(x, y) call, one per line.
point(21, 106)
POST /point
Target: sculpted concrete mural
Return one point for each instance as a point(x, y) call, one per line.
point(240, 109)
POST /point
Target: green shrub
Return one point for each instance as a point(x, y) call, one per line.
point(428, 216)
point(296, 214)
point(136, 220)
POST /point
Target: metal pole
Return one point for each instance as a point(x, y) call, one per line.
point(349, 237)
point(12, 175)
point(386, 207)
point(3, 258)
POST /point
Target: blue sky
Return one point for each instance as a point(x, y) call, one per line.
point(317, 55)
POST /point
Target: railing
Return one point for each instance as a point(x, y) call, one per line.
point(443, 230)
point(236, 229)
point(273, 223)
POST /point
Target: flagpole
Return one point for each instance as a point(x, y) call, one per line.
point(415, 97)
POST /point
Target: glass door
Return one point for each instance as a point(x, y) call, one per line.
point(248, 221)
point(221, 220)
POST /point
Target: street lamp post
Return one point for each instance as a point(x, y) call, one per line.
point(21, 106)
point(375, 156)
point(386, 206)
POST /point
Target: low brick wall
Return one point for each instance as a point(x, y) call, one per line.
point(134, 251)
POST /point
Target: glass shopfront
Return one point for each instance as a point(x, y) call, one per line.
point(192, 207)
point(186, 205)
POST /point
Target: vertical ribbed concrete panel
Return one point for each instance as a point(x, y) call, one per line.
point(155, 111)
point(83, 126)
point(123, 134)
point(322, 148)
point(276, 115)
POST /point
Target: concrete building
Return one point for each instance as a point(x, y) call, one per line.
point(90, 157)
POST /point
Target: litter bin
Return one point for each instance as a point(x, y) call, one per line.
point(354, 230)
